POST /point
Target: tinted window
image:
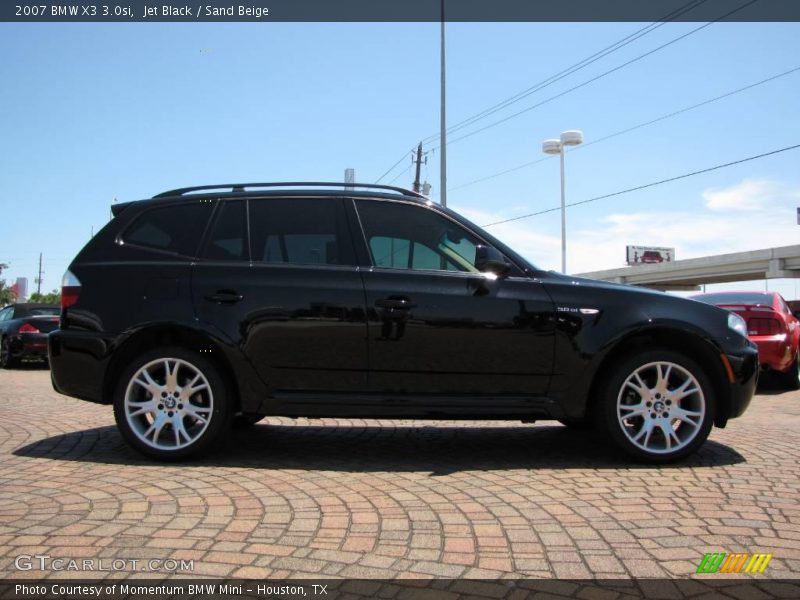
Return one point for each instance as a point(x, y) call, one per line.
point(403, 236)
point(45, 311)
point(227, 240)
point(175, 228)
point(298, 231)
point(26, 310)
point(5, 314)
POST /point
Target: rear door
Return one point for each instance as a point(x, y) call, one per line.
point(288, 294)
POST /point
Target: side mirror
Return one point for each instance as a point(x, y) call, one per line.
point(488, 259)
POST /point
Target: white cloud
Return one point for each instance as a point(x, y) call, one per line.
point(703, 232)
point(749, 195)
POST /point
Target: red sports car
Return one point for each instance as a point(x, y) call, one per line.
point(770, 325)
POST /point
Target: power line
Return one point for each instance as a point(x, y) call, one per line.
point(633, 128)
point(571, 69)
point(394, 166)
point(558, 76)
point(647, 185)
point(597, 77)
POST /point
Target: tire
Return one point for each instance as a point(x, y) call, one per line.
point(6, 360)
point(245, 420)
point(791, 378)
point(149, 392)
point(578, 424)
point(646, 411)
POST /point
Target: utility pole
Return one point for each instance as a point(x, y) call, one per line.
point(39, 278)
point(419, 162)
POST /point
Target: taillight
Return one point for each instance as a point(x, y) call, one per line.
point(28, 328)
point(760, 326)
point(70, 290)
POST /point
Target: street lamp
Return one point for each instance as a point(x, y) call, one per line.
point(573, 137)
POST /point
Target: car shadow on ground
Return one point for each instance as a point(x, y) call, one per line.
point(31, 365)
point(440, 450)
point(769, 384)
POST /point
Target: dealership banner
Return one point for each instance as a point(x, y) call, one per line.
point(405, 10)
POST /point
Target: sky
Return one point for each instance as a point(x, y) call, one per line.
point(90, 113)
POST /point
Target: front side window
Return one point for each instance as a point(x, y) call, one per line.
point(303, 231)
point(176, 228)
point(402, 236)
point(228, 238)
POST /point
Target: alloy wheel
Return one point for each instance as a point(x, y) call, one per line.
point(661, 407)
point(168, 404)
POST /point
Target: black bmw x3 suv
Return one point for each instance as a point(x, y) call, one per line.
point(207, 307)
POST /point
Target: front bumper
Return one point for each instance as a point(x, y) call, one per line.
point(744, 368)
point(27, 345)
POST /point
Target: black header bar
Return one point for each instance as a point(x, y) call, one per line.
point(127, 11)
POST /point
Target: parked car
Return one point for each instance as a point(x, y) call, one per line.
point(23, 331)
point(216, 304)
point(771, 325)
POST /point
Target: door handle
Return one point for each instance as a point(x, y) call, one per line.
point(398, 303)
point(225, 297)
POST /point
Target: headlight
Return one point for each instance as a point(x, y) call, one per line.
point(737, 323)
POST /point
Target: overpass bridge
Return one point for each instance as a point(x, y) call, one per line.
point(687, 275)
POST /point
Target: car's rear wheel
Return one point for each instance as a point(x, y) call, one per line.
point(658, 406)
point(791, 378)
point(6, 360)
point(172, 403)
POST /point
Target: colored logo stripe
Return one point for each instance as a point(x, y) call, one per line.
point(734, 563)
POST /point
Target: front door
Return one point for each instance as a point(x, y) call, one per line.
point(436, 324)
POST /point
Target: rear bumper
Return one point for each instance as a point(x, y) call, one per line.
point(78, 362)
point(24, 345)
point(774, 351)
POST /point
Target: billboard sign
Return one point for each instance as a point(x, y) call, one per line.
point(644, 255)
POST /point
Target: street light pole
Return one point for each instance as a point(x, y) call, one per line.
point(563, 215)
point(573, 137)
point(443, 128)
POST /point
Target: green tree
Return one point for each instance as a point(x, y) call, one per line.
point(53, 297)
point(7, 296)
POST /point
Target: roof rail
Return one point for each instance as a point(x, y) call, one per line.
point(241, 187)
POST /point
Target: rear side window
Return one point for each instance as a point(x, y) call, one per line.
point(176, 228)
point(299, 231)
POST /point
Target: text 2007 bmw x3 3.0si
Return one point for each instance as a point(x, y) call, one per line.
point(210, 306)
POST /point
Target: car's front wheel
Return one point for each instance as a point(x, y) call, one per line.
point(658, 406)
point(172, 403)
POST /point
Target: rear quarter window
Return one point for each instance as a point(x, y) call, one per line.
point(176, 228)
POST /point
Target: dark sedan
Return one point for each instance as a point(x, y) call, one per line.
point(23, 332)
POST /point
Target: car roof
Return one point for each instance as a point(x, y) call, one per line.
point(281, 189)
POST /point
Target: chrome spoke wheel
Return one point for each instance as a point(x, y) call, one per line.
point(168, 404)
point(661, 407)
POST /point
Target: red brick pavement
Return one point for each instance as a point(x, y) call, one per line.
point(384, 499)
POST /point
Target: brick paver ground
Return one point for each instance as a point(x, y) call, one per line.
point(375, 499)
